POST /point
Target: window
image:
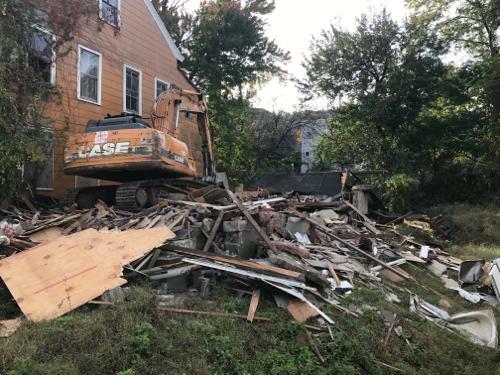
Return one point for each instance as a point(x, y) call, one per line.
point(132, 92)
point(160, 87)
point(42, 55)
point(89, 75)
point(110, 11)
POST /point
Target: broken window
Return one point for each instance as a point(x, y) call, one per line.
point(161, 86)
point(132, 90)
point(89, 75)
point(41, 56)
point(110, 11)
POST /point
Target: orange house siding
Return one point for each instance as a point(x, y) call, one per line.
point(138, 43)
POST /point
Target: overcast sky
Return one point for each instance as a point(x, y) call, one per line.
point(293, 24)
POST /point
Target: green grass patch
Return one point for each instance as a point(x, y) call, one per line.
point(135, 338)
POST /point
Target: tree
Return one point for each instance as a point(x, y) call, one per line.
point(472, 24)
point(176, 19)
point(403, 109)
point(228, 50)
point(25, 55)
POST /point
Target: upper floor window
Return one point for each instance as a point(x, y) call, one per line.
point(89, 75)
point(160, 87)
point(132, 92)
point(110, 11)
point(42, 55)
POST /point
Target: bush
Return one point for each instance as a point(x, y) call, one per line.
point(400, 192)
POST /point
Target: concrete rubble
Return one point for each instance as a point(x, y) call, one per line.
point(305, 252)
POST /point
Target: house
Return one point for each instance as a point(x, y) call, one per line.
point(310, 135)
point(119, 61)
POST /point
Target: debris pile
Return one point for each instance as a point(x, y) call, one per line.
point(306, 251)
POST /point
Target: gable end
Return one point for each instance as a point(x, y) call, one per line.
point(164, 31)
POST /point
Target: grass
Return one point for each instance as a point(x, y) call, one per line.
point(135, 338)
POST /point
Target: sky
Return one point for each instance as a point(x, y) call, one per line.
point(292, 25)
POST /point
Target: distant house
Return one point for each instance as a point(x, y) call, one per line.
point(120, 60)
point(309, 136)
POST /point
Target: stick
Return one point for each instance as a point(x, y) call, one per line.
point(252, 221)
point(367, 222)
point(213, 232)
point(328, 232)
point(334, 274)
point(313, 344)
point(211, 313)
point(253, 305)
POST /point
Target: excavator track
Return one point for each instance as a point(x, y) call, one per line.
point(137, 195)
point(133, 196)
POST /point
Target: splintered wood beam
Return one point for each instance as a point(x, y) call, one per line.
point(329, 233)
point(368, 223)
point(213, 232)
point(253, 305)
point(252, 221)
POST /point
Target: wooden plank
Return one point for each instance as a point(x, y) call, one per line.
point(254, 302)
point(246, 264)
point(213, 232)
point(300, 310)
point(368, 223)
point(52, 279)
point(328, 232)
point(252, 221)
point(211, 313)
point(333, 273)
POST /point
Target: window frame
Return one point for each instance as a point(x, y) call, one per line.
point(125, 67)
point(118, 16)
point(156, 85)
point(78, 76)
point(53, 67)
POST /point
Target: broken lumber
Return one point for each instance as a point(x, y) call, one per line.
point(211, 313)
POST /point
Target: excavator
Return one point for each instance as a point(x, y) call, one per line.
point(142, 162)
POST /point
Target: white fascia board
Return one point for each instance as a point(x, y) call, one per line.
point(164, 31)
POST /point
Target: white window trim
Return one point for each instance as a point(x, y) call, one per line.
point(53, 68)
point(119, 14)
point(156, 84)
point(125, 67)
point(99, 80)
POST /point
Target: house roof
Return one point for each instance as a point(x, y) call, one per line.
point(164, 31)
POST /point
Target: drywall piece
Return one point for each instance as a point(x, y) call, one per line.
point(424, 252)
point(54, 278)
point(437, 268)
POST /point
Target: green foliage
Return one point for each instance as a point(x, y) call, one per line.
point(228, 49)
point(400, 192)
point(24, 86)
point(134, 338)
point(20, 90)
point(227, 54)
point(406, 111)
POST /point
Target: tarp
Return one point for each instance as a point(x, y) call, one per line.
point(308, 183)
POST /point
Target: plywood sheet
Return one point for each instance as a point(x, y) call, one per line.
point(54, 278)
point(300, 310)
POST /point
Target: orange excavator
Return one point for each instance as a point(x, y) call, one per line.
point(171, 154)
